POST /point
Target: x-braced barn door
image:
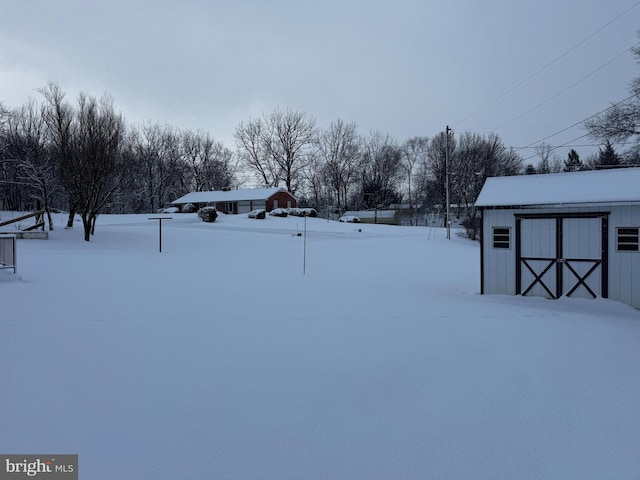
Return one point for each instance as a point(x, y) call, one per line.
point(561, 255)
point(536, 257)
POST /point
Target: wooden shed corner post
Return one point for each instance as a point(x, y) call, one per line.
point(518, 248)
point(482, 243)
point(604, 255)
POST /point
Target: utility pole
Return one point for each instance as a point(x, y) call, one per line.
point(446, 166)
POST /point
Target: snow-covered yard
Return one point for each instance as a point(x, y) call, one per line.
point(218, 358)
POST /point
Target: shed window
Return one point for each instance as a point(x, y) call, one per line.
point(628, 239)
point(501, 237)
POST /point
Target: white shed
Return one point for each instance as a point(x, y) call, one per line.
point(563, 234)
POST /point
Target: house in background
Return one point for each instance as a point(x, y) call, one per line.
point(564, 234)
point(387, 217)
point(239, 201)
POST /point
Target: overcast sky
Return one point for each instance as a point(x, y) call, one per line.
point(407, 68)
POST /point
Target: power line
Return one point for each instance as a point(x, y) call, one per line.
point(549, 64)
point(569, 144)
point(578, 123)
point(552, 149)
point(577, 145)
point(566, 89)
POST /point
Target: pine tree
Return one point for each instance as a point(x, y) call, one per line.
point(573, 162)
point(607, 157)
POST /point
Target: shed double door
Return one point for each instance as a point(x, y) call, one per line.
point(561, 256)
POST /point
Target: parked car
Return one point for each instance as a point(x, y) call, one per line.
point(279, 212)
point(349, 219)
point(259, 213)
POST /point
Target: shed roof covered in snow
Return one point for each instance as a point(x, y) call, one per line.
point(594, 186)
point(218, 196)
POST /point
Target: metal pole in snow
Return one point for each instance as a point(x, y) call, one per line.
point(160, 230)
point(304, 255)
point(446, 158)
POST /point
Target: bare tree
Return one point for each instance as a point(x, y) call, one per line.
point(621, 120)
point(88, 145)
point(289, 138)
point(317, 183)
point(339, 148)
point(100, 169)
point(414, 152)
point(477, 157)
point(250, 145)
point(381, 170)
point(549, 162)
point(209, 162)
point(146, 169)
point(59, 116)
point(13, 194)
point(543, 151)
point(27, 144)
point(195, 148)
point(157, 169)
point(436, 164)
point(220, 168)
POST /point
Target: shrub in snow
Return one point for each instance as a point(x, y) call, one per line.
point(279, 212)
point(208, 214)
point(258, 213)
point(188, 208)
point(472, 227)
point(303, 212)
point(349, 219)
point(170, 210)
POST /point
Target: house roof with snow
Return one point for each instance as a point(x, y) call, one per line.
point(595, 186)
point(370, 213)
point(217, 196)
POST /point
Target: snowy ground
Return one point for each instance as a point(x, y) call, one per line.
point(218, 358)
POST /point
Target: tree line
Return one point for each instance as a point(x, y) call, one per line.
point(82, 157)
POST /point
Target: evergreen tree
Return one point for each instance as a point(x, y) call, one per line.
point(607, 157)
point(573, 162)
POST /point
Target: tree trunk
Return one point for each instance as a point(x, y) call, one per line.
point(72, 213)
point(86, 223)
point(49, 218)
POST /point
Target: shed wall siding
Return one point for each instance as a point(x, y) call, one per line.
point(623, 267)
point(499, 268)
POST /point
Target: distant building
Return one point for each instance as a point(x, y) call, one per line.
point(389, 217)
point(239, 201)
point(563, 234)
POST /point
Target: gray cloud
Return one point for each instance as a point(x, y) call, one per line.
point(407, 68)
